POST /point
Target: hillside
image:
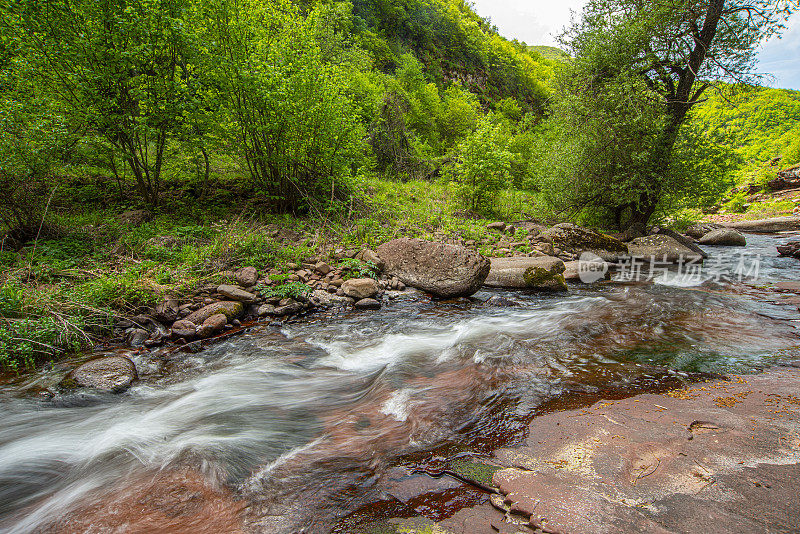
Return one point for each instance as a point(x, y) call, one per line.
point(762, 124)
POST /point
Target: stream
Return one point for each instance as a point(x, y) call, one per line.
point(299, 425)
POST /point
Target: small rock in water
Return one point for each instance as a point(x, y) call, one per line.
point(368, 304)
point(114, 374)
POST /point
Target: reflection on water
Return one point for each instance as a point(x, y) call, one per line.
point(299, 424)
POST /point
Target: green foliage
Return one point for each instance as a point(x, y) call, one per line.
point(298, 129)
point(358, 269)
point(292, 290)
point(481, 168)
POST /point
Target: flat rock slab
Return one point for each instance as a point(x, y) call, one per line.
point(660, 247)
point(522, 272)
point(776, 224)
point(720, 457)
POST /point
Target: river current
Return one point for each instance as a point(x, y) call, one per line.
point(297, 424)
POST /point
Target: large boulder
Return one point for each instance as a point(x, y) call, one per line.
point(543, 273)
point(587, 270)
point(360, 288)
point(114, 374)
point(446, 271)
point(724, 237)
point(231, 310)
point(661, 247)
point(680, 238)
point(576, 240)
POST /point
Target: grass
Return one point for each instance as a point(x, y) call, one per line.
point(68, 290)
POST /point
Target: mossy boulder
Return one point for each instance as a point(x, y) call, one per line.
point(543, 273)
point(230, 309)
point(577, 240)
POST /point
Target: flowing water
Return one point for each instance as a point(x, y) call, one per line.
point(294, 427)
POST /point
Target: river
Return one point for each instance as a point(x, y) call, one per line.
point(297, 427)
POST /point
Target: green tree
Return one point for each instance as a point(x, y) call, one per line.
point(115, 64)
point(675, 50)
point(481, 167)
point(289, 109)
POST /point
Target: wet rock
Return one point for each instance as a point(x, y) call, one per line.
point(576, 240)
point(288, 309)
point(212, 325)
point(714, 457)
point(367, 304)
point(444, 270)
point(135, 217)
point(699, 230)
point(247, 276)
point(680, 238)
point(501, 302)
point(137, 336)
point(360, 288)
point(115, 374)
point(266, 309)
point(791, 249)
point(598, 270)
point(724, 237)
point(662, 248)
point(326, 299)
point(167, 311)
point(521, 272)
point(236, 293)
point(185, 329)
point(231, 309)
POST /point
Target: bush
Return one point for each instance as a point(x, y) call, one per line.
point(481, 168)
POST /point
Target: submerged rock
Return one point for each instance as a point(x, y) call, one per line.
point(114, 374)
point(724, 237)
point(662, 248)
point(544, 272)
point(576, 240)
point(446, 271)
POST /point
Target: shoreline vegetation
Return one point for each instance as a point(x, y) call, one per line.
point(150, 151)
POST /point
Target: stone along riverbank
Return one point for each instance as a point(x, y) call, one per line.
point(410, 416)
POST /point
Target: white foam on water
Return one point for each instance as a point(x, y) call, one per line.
point(397, 404)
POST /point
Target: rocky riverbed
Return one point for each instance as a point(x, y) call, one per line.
point(407, 417)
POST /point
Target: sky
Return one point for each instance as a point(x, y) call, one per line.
point(540, 22)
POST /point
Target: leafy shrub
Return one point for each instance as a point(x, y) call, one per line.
point(358, 269)
point(293, 290)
